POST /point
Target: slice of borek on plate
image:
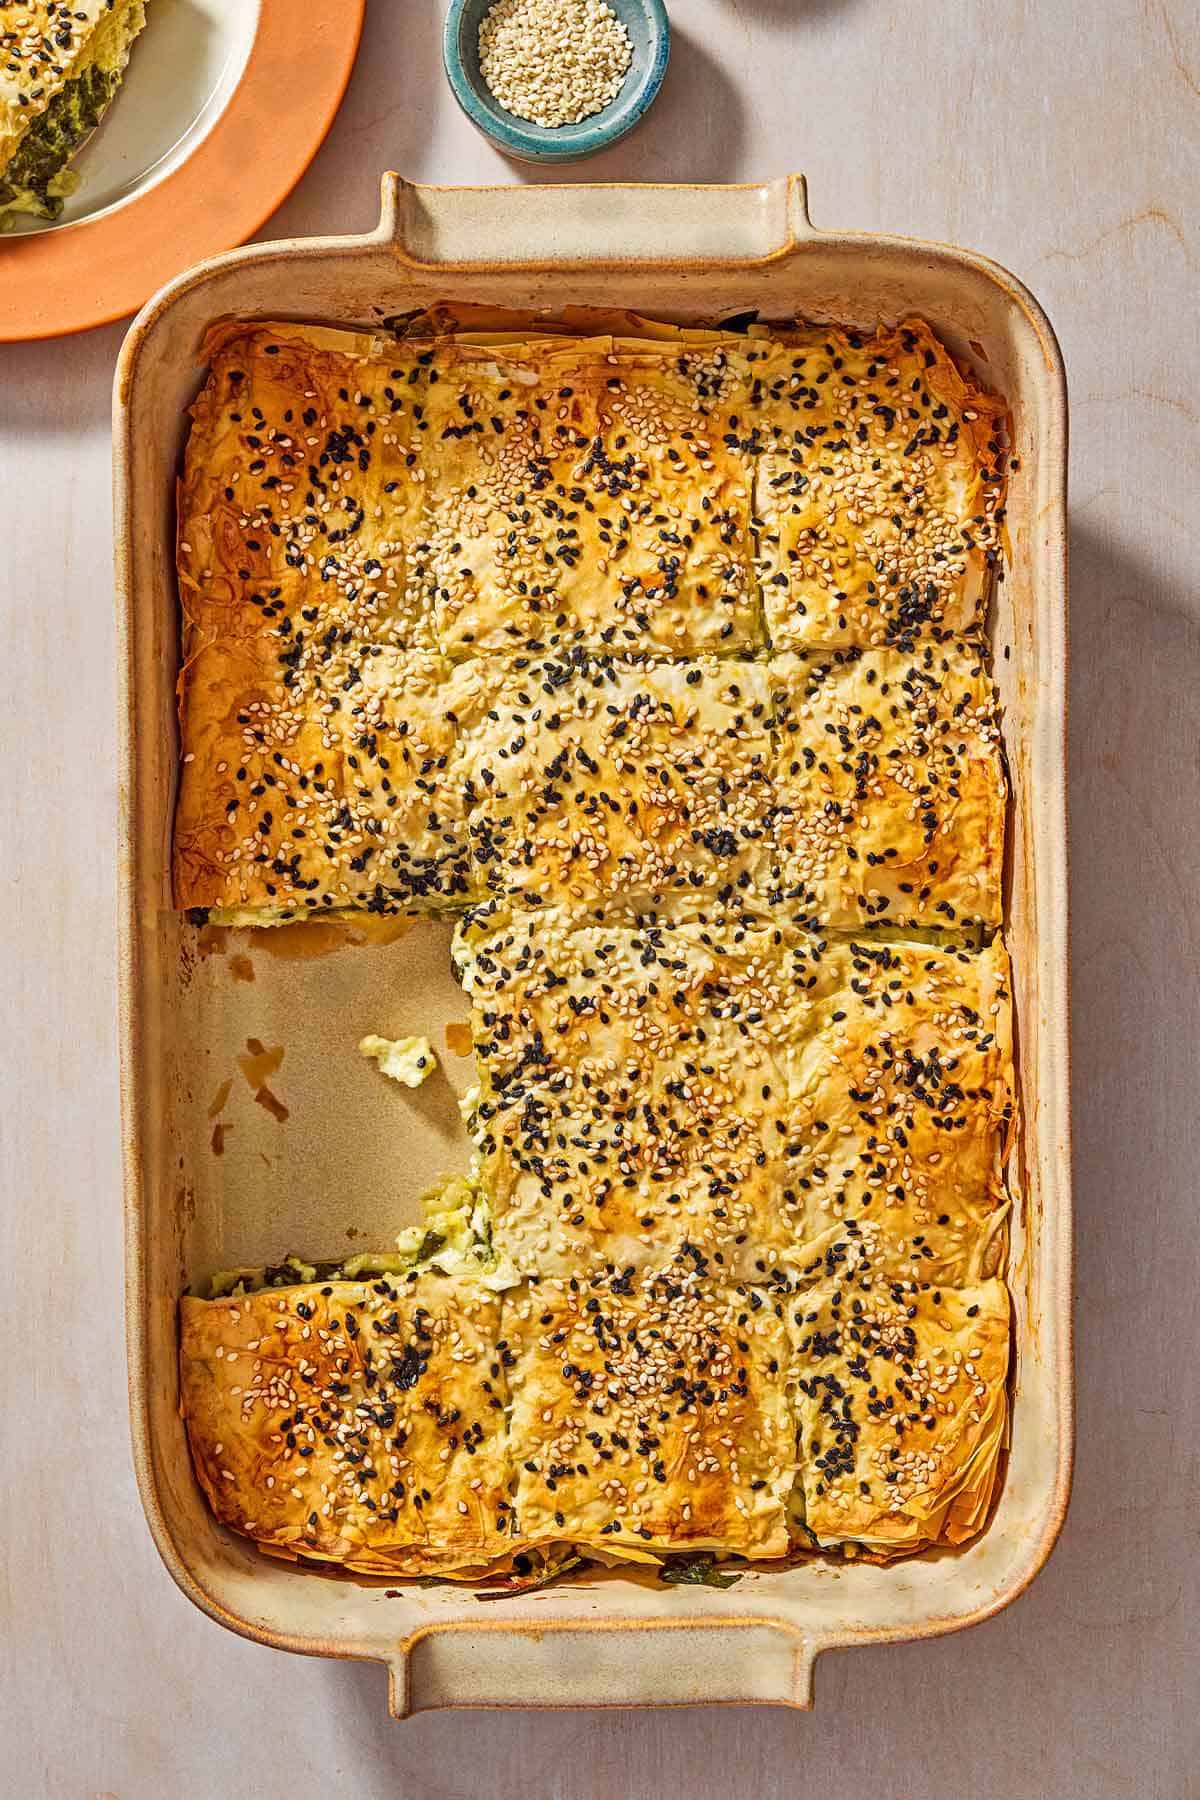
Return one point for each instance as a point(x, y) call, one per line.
point(49, 107)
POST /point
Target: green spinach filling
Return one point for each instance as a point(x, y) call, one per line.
point(37, 178)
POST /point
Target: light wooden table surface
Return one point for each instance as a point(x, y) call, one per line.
point(1061, 140)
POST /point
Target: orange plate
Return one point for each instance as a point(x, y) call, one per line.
point(96, 270)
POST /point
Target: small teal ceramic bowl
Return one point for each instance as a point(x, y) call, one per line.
point(650, 34)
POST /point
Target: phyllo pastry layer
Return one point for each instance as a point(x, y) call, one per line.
point(890, 787)
point(300, 505)
point(878, 488)
point(656, 656)
point(317, 780)
point(901, 1110)
point(633, 1087)
point(586, 492)
point(649, 1412)
point(751, 1093)
point(902, 1410)
point(595, 781)
point(569, 520)
point(61, 64)
point(356, 1422)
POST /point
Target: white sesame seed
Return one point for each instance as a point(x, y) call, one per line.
point(553, 62)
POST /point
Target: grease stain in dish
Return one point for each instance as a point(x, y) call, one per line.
point(259, 1063)
point(216, 1105)
point(241, 968)
point(308, 939)
point(458, 1038)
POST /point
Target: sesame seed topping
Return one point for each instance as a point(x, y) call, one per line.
point(553, 62)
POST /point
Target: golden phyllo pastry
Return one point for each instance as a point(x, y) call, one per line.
point(300, 505)
point(890, 787)
point(316, 744)
point(649, 1413)
point(633, 1089)
point(878, 489)
point(584, 492)
point(357, 1422)
point(751, 1093)
point(900, 1113)
point(317, 785)
point(595, 781)
point(902, 1410)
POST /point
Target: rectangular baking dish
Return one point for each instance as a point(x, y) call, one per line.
point(345, 1166)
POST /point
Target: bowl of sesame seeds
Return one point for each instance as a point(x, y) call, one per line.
point(555, 80)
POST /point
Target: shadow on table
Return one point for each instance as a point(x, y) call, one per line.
point(1135, 829)
point(77, 399)
point(693, 132)
point(388, 120)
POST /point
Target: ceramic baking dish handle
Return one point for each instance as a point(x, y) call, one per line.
point(654, 1662)
point(456, 227)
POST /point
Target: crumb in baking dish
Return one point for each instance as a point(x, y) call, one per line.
point(408, 1060)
